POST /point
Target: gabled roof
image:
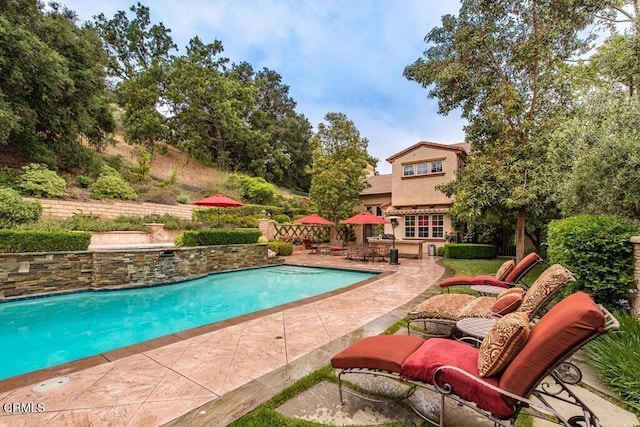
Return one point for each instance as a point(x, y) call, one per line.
point(380, 184)
point(460, 147)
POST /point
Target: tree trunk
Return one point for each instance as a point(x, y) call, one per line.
point(520, 222)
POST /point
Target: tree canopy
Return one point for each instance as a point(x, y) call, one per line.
point(52, 81)
point(338, 169)
point(500, 63)
point(221, 113)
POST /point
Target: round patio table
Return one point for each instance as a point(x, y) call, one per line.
point(476, 327)
point(487, 289)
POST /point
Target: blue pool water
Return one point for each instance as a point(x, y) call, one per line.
point(43, 332)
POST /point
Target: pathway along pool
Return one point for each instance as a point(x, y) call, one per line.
point(43, 332)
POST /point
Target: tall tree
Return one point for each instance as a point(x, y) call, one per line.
point(52, 87)
point(138, 56)
point(338, 170)
point(289, 133)
point(499, 61)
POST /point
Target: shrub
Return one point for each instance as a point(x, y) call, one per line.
point(255, 190)
point(597, 250)
point(111, 185)
point(469, 251)
point(36, 180)
point(217, 237)
point(85, 181)
point(183, 198)
point(616, 357)
point(15, 211)
point(281, 218)
point(281, 248)
point(263, 240)
point(16, 241)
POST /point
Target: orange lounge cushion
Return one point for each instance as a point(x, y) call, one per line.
point(437, 352)
point(503, 342)
point(552, 339)
point(456, 281)
point(384, 352)
point(522, 267)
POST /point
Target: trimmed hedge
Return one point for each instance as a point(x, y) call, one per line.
point(217, 237)
point(281, 248)
point(469, 251)
point(17, 241)
point(598, 251)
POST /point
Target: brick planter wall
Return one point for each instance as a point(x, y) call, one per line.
point(45, 273)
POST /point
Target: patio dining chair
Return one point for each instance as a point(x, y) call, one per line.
point(514, 368)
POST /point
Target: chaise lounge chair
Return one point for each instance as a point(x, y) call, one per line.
point(497, 380)
point(447, 309)
point(508, 275)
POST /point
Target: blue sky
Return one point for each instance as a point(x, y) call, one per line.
point(335, 55)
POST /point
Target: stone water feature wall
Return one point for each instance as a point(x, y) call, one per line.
point(45, 273)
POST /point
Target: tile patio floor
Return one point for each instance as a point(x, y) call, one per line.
point(213, 375)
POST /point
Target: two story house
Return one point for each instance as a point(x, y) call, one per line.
point(409, 193)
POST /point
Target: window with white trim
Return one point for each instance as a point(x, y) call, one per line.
point(376, 210)
point(423, 168)
point(424, 225)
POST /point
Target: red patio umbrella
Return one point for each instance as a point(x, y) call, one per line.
point(219, 201)
point(313, 218)
point(365, 218)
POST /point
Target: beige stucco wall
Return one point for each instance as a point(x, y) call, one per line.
point(421, 190)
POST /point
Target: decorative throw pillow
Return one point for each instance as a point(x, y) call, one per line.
point(503, 342)
point(505, 269)
point(545, 287)
point(508, 301)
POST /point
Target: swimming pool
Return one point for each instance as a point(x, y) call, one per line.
point(43, 332)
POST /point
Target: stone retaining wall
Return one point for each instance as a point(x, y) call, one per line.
point(45, 273)
point(108, 209)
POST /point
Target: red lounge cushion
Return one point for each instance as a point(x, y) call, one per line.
point(437, 352)
point(556, 335)
point(456, 281)
point(384, 352)
point(525, 264)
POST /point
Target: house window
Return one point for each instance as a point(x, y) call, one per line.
point(424, 226)
point(376, 210)
point(423, 168)
point(437, 225)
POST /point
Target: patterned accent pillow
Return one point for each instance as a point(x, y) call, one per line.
point(442, 306)
point(546, 286)
point(505, 269)
point(503, 342)
point(508, 301)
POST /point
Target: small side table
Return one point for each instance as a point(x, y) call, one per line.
point(486, 290)
point(476, 327)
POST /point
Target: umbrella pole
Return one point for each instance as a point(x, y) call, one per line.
point(218, 217)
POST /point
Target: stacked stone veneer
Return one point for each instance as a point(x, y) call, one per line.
point(46, 273)
point(636, 272)
point(108, 209)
